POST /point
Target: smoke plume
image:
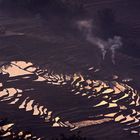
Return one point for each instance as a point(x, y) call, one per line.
point(111, 44)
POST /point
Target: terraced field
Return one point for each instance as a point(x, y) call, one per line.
point(53, 82)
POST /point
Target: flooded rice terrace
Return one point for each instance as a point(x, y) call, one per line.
point(70, 76)
point(58, 103)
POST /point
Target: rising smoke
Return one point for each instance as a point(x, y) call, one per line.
point(111, 44)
